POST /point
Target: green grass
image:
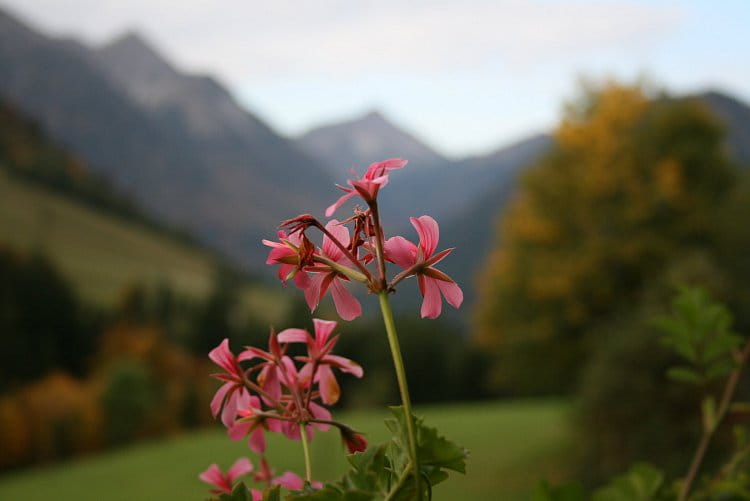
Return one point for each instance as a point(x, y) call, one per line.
point(512, 445)
point(102, 255)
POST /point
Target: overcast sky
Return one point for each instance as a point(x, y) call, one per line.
point(467, 77)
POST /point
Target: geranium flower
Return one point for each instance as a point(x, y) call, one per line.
point(287, 253)
point(232, 395)
point(419, 260)
point(326, 276)
point(224, 483)
point(251, 423)
point(368, 185)
point(320, 360)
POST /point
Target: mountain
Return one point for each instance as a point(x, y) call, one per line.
point(179, 144)
point(357, 143)
point(736, 117)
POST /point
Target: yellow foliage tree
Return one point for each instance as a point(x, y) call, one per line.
point(630, 182)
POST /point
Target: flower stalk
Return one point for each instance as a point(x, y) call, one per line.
point(398, 363)
point(306, 452)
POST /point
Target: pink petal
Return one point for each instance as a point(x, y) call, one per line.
point(269, 381)
point(452, 293)
point(344, 364)
point(320, 412)
point(293, 336)
point(239, 429)
point(283, 272)
point(219, 397)
point(212, 475)
point(305, 375)
point(338, 203)
point(257, 495)
point(223, 357)
point(429, 233)
point(301, 280)
point(230, 407)
point(323, 329)
point(252, 352)
point(438, 257)
point(312, 292)
point(240, 467)
point(329, 387)
point(432, 304)
point(289, 480)
point(275, 425)
point(277, 254)
point(388, 165)
point(400, 251)
point(347, 305)
point(257, 440)
point(340, 233)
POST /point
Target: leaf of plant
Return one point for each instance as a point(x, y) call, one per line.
point(272, 494)
point(641, 483)
point(684, 375)
point(567, 492)
point(433, 449)
point(239, 493)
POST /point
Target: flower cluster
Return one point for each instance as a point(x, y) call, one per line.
point(274, 391)
point(224, 483)
point(279, 393)
point(345, 255)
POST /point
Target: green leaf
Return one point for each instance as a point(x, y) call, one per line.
point(567, 492)
point(433, 449)
point(272, 494)
point(239, 493)
point(641, 483)
point(684, 375)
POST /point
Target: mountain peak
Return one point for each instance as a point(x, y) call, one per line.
point(364, 139)
point(373, 116)
point(133, 52)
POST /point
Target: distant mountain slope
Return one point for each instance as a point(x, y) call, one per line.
point(736, 117)
point(188, 153)
point(363, 140)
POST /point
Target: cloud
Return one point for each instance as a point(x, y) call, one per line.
point(265, 40)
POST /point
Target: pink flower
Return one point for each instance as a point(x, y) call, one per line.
point(251, 423)
point(288, 480)
point(419, 261)
point(224, 483)
point(320, 360)
point(325, 276)
point(368, 185)
point(232, 395)
point(286, 253)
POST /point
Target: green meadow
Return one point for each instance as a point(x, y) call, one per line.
point(102, 254)
point(513, 445)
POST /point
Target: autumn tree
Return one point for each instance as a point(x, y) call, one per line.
point(631, 182)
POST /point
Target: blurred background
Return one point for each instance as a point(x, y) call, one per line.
point(585, 158)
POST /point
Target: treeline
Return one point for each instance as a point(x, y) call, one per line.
point(74, 379)
point(637, 197)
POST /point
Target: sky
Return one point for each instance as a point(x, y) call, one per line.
point(466, 77)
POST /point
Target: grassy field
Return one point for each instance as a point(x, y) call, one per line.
point(512, 444)
point(101, 254)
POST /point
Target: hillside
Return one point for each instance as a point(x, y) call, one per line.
point(50, 203)
point(190, 155)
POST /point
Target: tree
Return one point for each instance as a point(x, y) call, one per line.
point(631, 182)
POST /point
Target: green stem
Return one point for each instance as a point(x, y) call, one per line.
point(306, 450)
point(404, 475)
point(398, 362)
